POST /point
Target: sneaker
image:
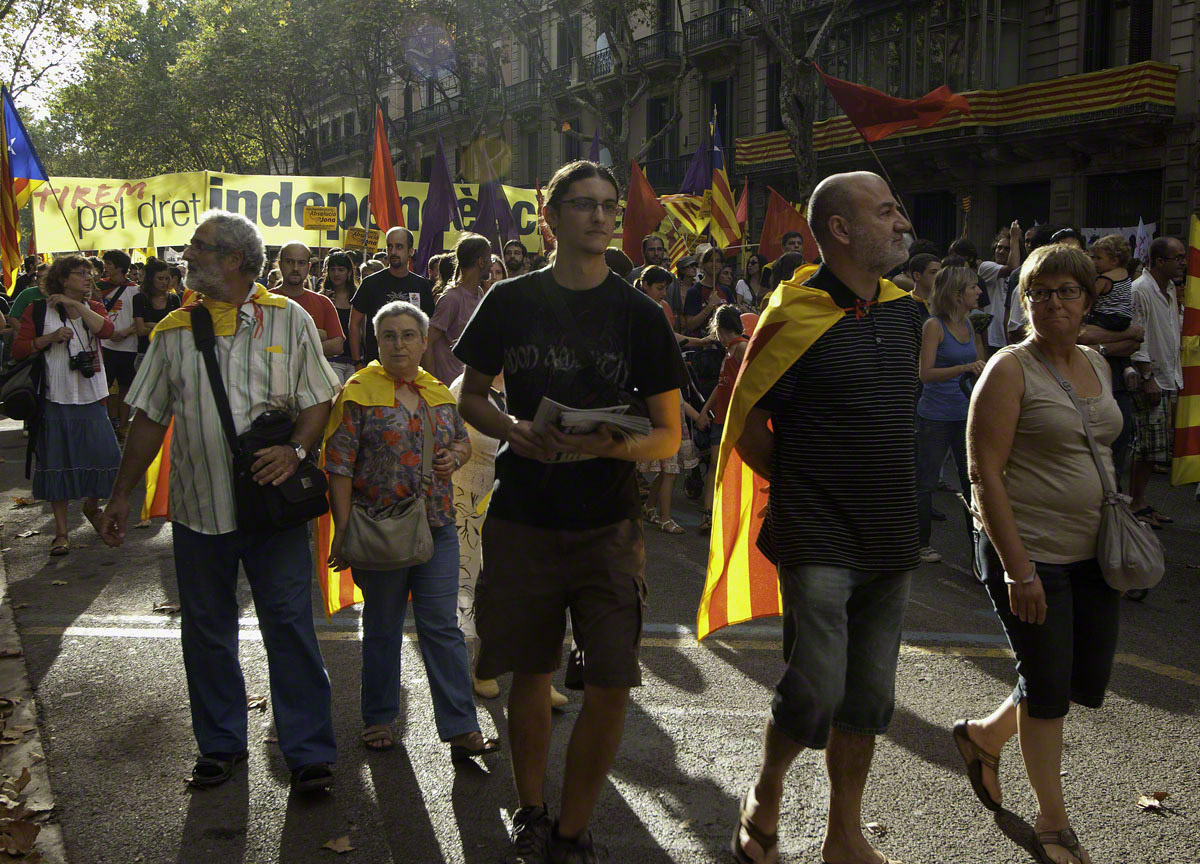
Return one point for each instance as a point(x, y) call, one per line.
point(530, 837)
point(577, 851)
point(929, 555)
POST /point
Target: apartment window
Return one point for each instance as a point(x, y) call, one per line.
point(774, 95)
point(1117, 200)
point(532, 50)
point(1027, 202)
point(531, 157)
point(834, 60)
point(430, 92)
point(383, 103)
point(658, 112)
point(1141, 29)
point(666, 15)
point(571, 141)
point(408, 100)
point(348, 124)
point(1097, 25)
point(426, 168)
point(324, 133)
point(720, 95)
point(566, 48)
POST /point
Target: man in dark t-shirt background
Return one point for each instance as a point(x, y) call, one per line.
point(377, 290)
point(833, 435)
point(563, 530)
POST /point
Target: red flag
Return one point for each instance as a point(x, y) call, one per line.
point(385, 198)
point(743, 205)
point(876, 115)
point(643, 212)
point(782, 217)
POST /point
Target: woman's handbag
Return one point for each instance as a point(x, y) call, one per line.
point(1129, 554)
point(399, 535)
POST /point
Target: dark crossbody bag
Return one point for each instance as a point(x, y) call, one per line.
point(603, 387)
point(295, 501)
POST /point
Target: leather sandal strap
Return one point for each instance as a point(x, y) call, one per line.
point(988, 759)
point(766, 842)
point(1065, 838)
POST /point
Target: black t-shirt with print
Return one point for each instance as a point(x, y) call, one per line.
point(144, 309)
point(381, 288)
point(627, 341)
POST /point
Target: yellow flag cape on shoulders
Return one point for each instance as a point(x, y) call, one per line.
point(741, 583)
point(224, 314)
point(371, 387)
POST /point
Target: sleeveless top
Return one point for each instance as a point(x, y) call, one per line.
point(945, 400)
point(729, 371)
point(1051, 478)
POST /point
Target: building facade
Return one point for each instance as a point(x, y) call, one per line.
point(1084, 112)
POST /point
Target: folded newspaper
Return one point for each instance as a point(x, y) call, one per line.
point(580, 421)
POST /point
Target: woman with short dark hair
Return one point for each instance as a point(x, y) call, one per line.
point(1039, 496)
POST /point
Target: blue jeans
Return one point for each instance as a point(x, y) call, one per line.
point(934, 438)
point(1069, 658)
point(279, 569)
point(841, 635)
point(434, 587)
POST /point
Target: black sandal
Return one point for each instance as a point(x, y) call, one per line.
point(1146, 517)
point(1065, 838)
point(767, 843)
point(215, 768)
point(976, 758)
point(463, 753)
point(316, 777)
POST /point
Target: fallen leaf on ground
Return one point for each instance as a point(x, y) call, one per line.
point(59, 582)
point(167, 608)
point(23, 781)
point(18, 836)
point(1153, 802)
point(37, 758)
point(10, 652)
point(145, 523)
point(270, 739)
point(31, 532)
point(8, 736)
point(257, 702)
point(6, 549)
point(21, 502)
point(20, 605)
point(876, 829)
point(341, 845)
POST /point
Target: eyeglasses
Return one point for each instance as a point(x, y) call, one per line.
point(589, 205)
point(1064, 292)
point(201, 246)
point(408, 337)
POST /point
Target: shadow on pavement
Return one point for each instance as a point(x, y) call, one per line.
point(215, 827)
point(931, 742)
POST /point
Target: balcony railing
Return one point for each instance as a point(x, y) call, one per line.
point(522, 93)
point(668, 172)
point(438, 112)
point(712, 28)
point(660, 46)
point(600, 63)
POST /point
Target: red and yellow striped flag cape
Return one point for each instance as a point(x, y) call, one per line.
point(369, 387)
point(741, 583)
point(690, 211)
point(1185, 466)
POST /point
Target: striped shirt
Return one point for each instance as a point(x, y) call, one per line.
point(280, 367)
point(843, 489)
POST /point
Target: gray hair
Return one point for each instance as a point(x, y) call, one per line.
point(400, 307)
point(240, 235)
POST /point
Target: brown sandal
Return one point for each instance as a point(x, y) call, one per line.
point(976, 758)
point(377, 738)
point(1065, 838)
point(769, 844)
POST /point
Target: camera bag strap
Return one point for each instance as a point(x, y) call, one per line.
point(206, 344)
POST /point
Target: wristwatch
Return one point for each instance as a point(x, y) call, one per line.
point(1032, 575)
point(1101, 349)
point(301, 453)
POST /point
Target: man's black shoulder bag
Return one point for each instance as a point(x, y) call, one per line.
point(300, 498)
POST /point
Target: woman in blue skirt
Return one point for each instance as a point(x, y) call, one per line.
point(76, 452)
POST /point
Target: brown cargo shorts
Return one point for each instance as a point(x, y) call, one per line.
point(533, 576)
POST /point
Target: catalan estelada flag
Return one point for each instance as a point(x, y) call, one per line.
point(690, 212)
point(1185, 466)
point(723, 225)
point(370, 387)
point(21, 172)
point(742, 583)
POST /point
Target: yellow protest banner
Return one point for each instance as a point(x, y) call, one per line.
point(106, 213)
point(320, 218)
point(356, 238)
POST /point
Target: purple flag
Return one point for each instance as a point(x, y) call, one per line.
point(495, 220)
point(699, 173)
point(441, 208)
point(594, 153)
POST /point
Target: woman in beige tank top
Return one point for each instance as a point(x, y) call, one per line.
point(1039, 495)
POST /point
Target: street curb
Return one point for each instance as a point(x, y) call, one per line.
point(14, 683)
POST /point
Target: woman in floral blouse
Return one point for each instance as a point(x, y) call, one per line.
point(373, 456)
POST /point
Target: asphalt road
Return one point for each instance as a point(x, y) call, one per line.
point(115, 728)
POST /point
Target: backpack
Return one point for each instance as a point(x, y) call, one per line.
point(22, 386)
